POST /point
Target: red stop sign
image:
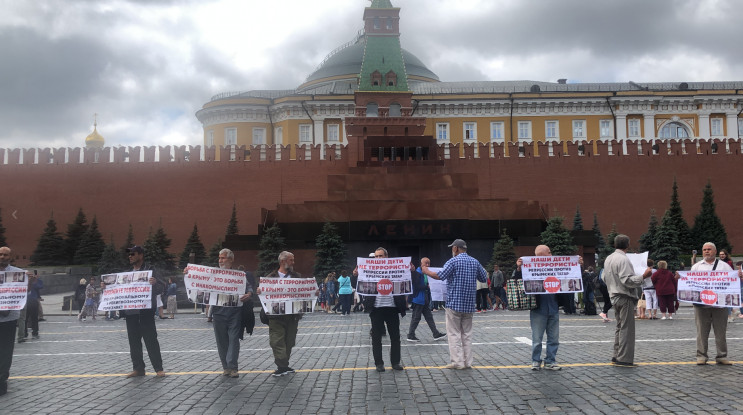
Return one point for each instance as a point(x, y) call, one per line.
point(552, 284)
point(384, 287)
point(708, 297)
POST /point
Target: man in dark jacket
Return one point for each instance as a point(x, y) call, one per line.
point(420, 304)
point(385, 309)
point(140, 324)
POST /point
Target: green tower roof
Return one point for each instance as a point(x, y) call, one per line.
point(383, 54)
point(381, 4)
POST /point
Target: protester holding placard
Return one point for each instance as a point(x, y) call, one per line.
point(713, 315)
point(282, 328)
point(8, 321)
point(140, 323)
point(384, 300)
point(462, 273)
point(622, 283)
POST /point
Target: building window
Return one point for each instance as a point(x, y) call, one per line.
point(716, 127)
point(389, 24)
point(259, 136)
point(579, 129)
point(210, 138)
point(673, 130)
point(395, 110)
point(552, 130)
point(470, 131)
point(633, 128)
point(376, 23)
point(305, 133)
point(372, 110)
point(496, 131)
point(278, 135)
point(442, 132)
point(333, 132)
point(230, 136)
point(606, 129)
point(740, 127)
point(524, 130)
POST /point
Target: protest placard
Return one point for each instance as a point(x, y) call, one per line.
point(639, 262)
point(214, 286)
point(551, 274)
point(384, 276)
point(288, 295)
point(712, 288)
point(126, 291)
point(13, 290)
point(438, 288)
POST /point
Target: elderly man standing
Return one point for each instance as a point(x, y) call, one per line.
point(462, 273)
point(8, 321)
point(228, 323)
point(140, 324)
point(623, 284)
point(707, 317)
point(282, 329)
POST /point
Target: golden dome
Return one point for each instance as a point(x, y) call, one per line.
point(94, 139)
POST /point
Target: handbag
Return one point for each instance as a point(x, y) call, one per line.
point(517, 298)
point(263, 316)
point(641, 303)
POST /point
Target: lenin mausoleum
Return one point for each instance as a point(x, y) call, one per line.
point(374, 142)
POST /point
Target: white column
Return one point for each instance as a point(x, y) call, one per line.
point(621, 127)
point(320, 137)
point(732, 125)
point(704, 126)
point(649, 130)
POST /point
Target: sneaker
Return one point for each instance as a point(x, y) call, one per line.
point(624, 364)
point(280, 372)
point(160, 374)
point(723, 361)
point(289, 370)
point(536, 365)
point(84, 318)
point(135, 373)
point(453, 366)
point(21, 340)
point(701, 361)
point(663, 318)
point(380, 368)
point(731, 320)
point(552, 366)
point(413, 339)
point(233, 374)
point(35, 336)
point(670, 317)
point(42, 319)
point(398, 366)
point(439, 336)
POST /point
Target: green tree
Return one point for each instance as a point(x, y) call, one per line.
point(577, 219)
point(600, 242)
point(213, 255)
point(503, 255)
point(193, 244)
point(111, 261)
point(91, 245)
point(232, 226)
point(331, 251)
point(156, 252)
point(685, 242)
point(666, 243)
point(558, 238)
point(608, 247)
point(3, 241)
point(50, 249)
point(707, 225)
point(127, 244)
point(74, 235)
point(647, 240)
point(270, 245)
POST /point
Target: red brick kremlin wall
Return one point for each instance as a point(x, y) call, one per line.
point(620, 188)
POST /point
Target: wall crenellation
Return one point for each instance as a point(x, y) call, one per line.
point(306, 152)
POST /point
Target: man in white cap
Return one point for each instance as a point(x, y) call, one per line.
point(462, 272)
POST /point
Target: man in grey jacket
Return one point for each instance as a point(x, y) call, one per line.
point(8, 321)
point(623, 285)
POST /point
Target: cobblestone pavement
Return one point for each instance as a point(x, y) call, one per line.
point(78, 367)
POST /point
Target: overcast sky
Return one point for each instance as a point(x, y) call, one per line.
point(147, 66)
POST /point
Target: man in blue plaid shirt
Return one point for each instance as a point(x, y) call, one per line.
point(461, 273)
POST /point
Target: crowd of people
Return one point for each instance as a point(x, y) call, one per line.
point(470, 289)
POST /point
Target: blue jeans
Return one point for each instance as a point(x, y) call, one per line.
point(539, 324)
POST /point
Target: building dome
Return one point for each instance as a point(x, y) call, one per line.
point(94, 140)
point(345, 63)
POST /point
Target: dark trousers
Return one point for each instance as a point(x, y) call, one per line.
point(227, 330)
point(607, 299)
point(32, 316)
point(379, 317)
point(482, 299)
point(282, 336)
point(7, 342)
point(346, 303)
point(142, 327)
point(419, 309)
